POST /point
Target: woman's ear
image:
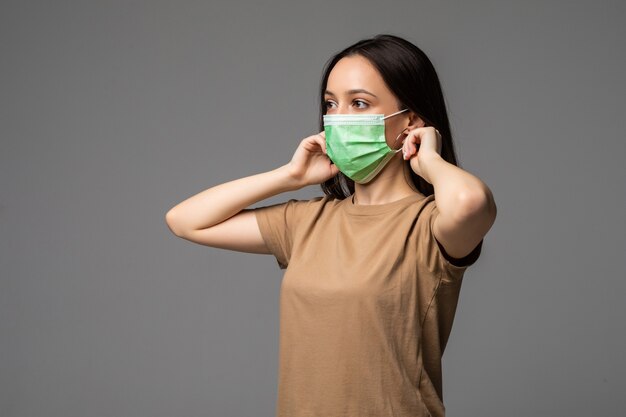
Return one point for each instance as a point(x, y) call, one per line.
point(415, 121)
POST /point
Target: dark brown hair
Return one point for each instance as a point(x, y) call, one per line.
point(411, 77)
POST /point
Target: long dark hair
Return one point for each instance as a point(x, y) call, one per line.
point(412, 78)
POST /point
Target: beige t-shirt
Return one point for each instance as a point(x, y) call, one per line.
point(367, 303)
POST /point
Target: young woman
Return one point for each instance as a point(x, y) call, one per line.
point(373, 268)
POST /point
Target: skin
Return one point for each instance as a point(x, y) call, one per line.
point(219, 217)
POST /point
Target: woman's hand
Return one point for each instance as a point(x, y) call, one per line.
point(310, 164)
point(429, 140)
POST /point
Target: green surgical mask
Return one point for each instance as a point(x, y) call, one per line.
point(356, 144)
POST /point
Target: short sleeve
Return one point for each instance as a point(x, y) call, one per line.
point(433, 252)
point(277, 224)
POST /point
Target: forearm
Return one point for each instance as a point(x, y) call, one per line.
point(222, 201)
point(457, 192)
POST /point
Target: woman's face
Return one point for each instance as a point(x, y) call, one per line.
point(355, 86)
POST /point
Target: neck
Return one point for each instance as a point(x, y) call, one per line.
point(391, 184)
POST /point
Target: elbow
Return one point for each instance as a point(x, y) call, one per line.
point(172, 224)
point(479, 202)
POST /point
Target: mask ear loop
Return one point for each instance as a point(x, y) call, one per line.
point(393, 114)
point(398, 137)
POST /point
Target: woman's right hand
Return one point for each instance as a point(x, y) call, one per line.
point(310, 164)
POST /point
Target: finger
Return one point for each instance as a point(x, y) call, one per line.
point(415, 139)
point(408, 143)
point(407, 152)
point(408, 139)
point(405, 147)
point(321, 142)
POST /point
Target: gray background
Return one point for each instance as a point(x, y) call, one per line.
point(113, 112)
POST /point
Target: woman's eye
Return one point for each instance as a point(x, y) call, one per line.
point(328, 104)
point(360, 104)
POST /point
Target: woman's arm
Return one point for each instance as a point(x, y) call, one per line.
point(467, 209)
point(218, 216)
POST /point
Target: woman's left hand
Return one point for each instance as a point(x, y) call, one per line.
point(429, 140)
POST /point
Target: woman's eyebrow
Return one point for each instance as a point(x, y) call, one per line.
point(355, 91)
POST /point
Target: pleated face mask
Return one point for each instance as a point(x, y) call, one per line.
point(356, 144)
